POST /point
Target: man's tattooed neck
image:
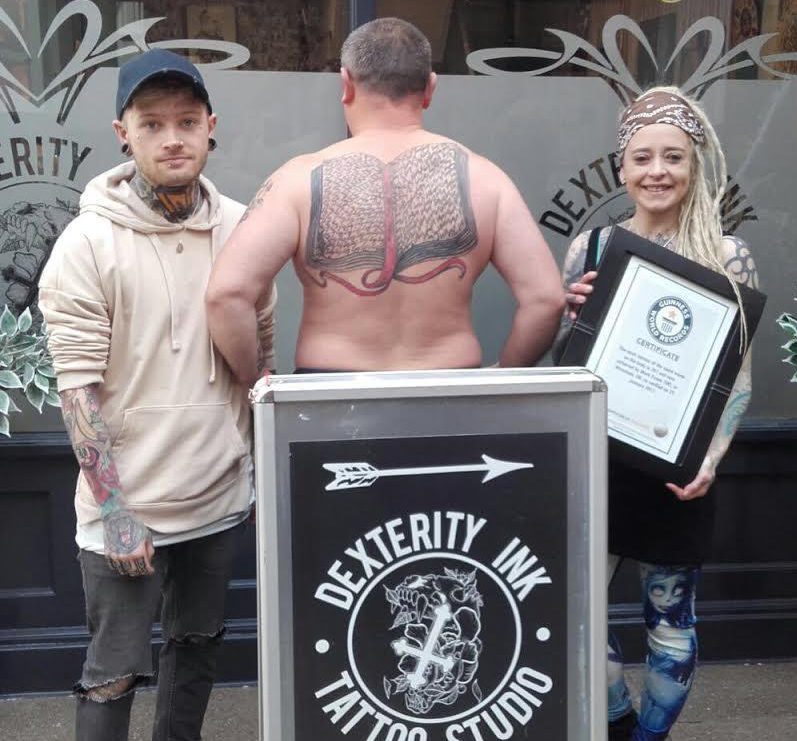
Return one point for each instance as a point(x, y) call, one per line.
point(175, 203)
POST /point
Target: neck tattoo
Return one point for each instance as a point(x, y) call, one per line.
point(663, 239)
point(175, 202)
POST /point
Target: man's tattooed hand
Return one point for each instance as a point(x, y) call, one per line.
point(123, 533)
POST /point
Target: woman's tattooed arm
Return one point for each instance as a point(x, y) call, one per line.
point(572, 270)
point(740, 265)
point(735, 408)
point(124, 534)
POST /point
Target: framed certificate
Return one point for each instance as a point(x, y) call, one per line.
point(663, 333)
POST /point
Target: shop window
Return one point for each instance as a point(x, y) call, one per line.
point(456, 28)
point(288, 35)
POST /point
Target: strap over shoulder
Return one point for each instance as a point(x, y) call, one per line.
point(591, 260)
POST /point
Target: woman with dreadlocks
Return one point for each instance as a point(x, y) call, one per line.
point(674, 170)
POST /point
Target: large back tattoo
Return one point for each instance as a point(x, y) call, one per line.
point(386, 217)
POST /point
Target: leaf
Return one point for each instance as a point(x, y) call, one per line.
point(46, 370)
point(35, 397)
point(12, 407)
point(27, 374)
point(10, 380)
point(25, 320)
point(8, 323)
point(53, 399)
point(787, 322)
point(4, 426)
point(41, 382)
point(5, 402)
point(23, 341)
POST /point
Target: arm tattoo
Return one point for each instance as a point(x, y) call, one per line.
point(741, 265)
point(732, 415)
point(122, 531)
point(573, 268)
point(384, 218)
point(176, 203)
point(734, 410)
point(92, 445)
point(257, 201)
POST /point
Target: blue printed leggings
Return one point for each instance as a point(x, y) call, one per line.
point(668, 594)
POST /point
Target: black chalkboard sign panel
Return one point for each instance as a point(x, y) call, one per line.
point(430, 588)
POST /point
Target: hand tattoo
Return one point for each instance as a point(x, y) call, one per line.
point(123, 533)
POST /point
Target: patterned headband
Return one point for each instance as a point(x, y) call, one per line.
point(658, 107)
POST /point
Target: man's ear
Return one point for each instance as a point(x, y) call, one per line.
point(212, 121)
point(431, 86)
point(121, 133)
point(347, 87)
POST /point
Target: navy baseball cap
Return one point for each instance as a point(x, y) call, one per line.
point(152, 64)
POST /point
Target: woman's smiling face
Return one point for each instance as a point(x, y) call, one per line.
point(657, 167)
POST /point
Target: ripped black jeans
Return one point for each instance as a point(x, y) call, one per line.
point(192, 578)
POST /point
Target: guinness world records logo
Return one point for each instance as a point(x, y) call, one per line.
point(669, 320)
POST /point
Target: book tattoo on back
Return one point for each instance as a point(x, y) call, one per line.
point(383, 218)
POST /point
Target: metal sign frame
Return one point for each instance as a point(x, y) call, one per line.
point(380, 407)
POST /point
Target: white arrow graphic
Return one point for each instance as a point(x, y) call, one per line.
point(357, 475)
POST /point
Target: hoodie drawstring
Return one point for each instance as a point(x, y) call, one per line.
point(167, 279)
point(213, 237)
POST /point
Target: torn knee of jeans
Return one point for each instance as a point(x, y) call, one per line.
point(113, 689)
point(199, 639)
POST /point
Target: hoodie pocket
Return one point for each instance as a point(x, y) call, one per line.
point(177, 453)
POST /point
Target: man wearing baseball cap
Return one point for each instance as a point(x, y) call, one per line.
point(160, 426)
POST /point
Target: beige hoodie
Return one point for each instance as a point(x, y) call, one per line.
point(123, 297)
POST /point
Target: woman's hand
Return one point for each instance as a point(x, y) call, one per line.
point(578, 292)
point(699, 485)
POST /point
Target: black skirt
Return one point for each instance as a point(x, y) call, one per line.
point(649, 523)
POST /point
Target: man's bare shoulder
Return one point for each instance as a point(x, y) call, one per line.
point(286, 183)
point(488, 175)
point(297, 168)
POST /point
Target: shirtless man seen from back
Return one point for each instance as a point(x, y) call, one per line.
point(388, 231)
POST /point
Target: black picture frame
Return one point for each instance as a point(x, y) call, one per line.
point(620, 247)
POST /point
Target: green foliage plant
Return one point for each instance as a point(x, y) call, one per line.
point(788, 323)
point(26, 368)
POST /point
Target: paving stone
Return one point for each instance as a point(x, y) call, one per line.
point(729, 702)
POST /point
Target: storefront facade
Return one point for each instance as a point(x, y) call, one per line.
point(535, 85)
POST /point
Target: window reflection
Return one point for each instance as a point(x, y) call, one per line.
point(292, 35)
point(458, 27)
point(305, 35)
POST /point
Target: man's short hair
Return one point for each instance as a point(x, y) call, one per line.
point(388, 56)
